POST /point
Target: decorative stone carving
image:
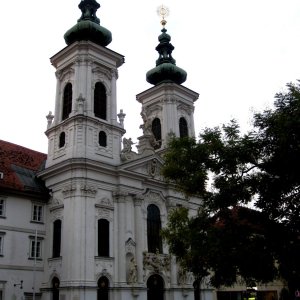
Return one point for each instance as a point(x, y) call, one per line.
point(169, 99)
point(88, 190)
point(68, 190)
point(102, 73)
point(153, 197)
point(181, 275)
point(153, 167)
point(184, 108)
point(156, 262)
point(55, 204)
point(105, 270)
point(65, 75)
point(138, 199)
point(103, 213)
point(155, 108)
point(56, 213)
point(184, 277)
point(80, 104)
point(114, 73)
point(106, 202)
point(55, 264)
point(119, 196)
point(130, 246)
point(104, 267)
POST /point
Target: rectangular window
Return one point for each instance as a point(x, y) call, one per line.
point(1, 243)
point(37, 213)
point(2, 289)
point(103, 237)
point(35, 248)
point(2, 207)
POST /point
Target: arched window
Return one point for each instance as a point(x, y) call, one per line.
point(55, 288)
point(62, 139)
point(183, 128)
point(155, 288)
point(100, 101)
point(56, 238)
point(153, 229)
point(156, 129)
point(103, 285)
point(103, 237)
point(67, 101)
point(102, 139)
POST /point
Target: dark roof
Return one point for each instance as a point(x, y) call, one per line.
point(18, 169)
point(88, 26)
point(166, 69)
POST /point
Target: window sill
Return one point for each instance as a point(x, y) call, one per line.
point(32, 258)
point(54, 258)
point(104, 258)
point(36, 222)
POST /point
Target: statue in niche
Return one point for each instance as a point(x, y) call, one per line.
point(132, 274)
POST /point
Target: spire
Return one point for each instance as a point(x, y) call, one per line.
point(166, 69)
point(88, 26)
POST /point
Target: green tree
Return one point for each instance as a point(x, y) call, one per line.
point(229, 170)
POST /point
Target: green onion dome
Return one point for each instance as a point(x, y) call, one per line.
point(166, 69)
point(88, 26)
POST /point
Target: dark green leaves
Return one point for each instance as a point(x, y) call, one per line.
point(227, 170)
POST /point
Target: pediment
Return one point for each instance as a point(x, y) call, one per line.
point(147, 166)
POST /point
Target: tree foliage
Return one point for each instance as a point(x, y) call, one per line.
point(229, 170)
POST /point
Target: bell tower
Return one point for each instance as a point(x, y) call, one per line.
point(85, 122)
point(83, 154)
point(168, 107)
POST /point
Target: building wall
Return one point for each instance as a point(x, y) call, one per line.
point(18, 230)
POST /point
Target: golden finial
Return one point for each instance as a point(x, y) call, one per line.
point(163, 12)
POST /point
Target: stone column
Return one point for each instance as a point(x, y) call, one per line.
point(170, 118)
point(58, 100)
point(139, 236)
point(77, 89)
point(120, 254)
point(113, 97)
point(89, 89)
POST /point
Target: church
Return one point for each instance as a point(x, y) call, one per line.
point(83, 221)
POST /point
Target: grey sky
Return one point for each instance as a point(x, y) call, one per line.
point(237, 53)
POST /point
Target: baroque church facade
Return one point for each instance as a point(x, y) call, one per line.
point(83, 221)
point(94, 207)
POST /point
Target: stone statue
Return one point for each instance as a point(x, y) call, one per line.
point(132, 275)
point(127, 145)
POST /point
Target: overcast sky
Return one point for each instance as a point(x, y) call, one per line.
point(238, 54)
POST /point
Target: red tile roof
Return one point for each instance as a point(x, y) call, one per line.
point(19, 166)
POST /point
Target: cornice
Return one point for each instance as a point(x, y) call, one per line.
point(80, 118)
point(89, 48)
point(167, 89)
